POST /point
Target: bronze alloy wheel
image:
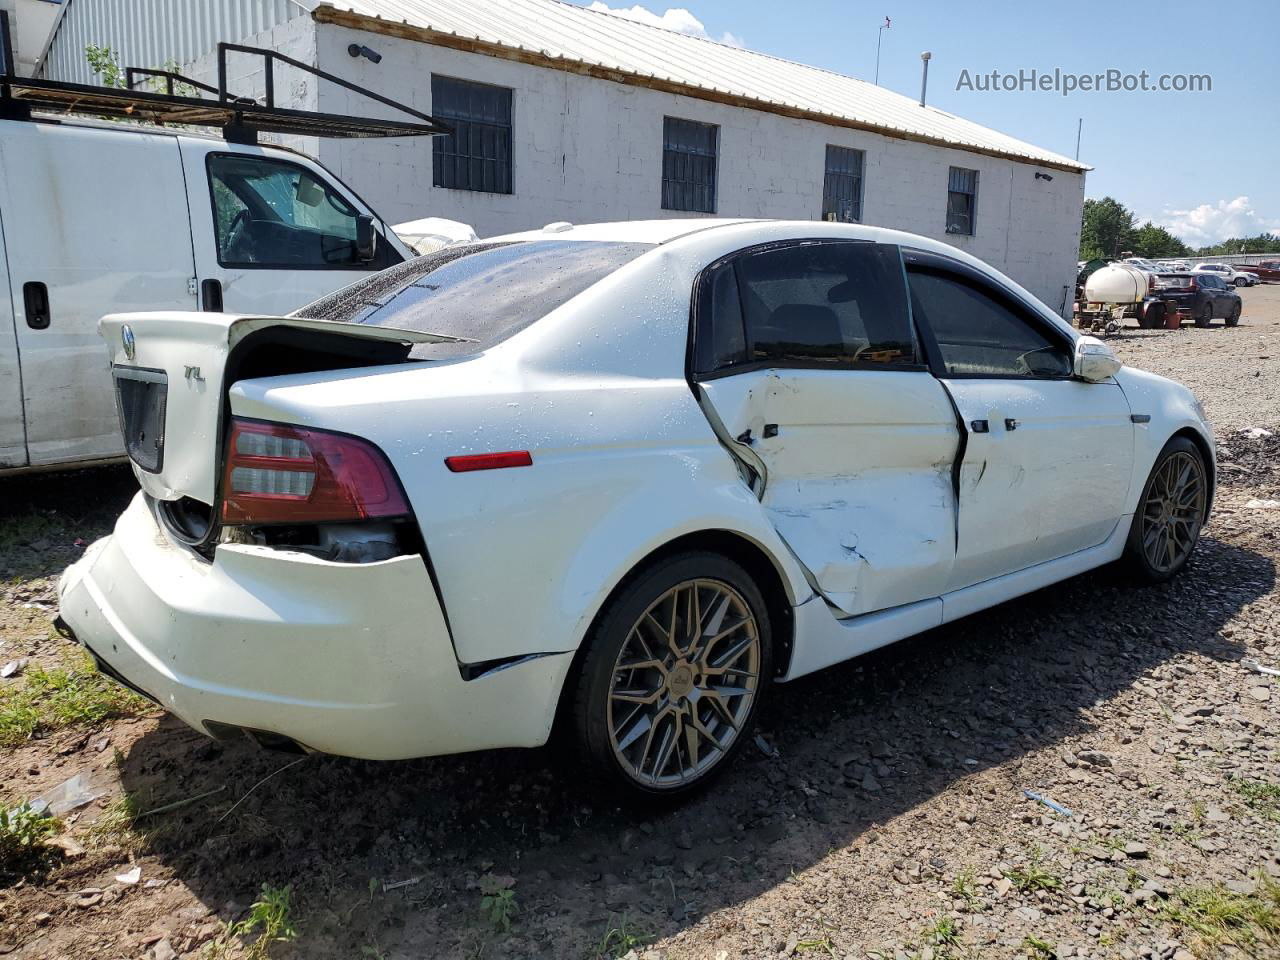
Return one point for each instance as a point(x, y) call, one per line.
point(684, 683)
point(1173, 510)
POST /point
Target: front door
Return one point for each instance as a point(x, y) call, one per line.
point(1047, 459)
point(270, 234)
point(807, 354)
point(95, 222)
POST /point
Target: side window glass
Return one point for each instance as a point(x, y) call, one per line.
point(719, 337)
point(980, 336)
point(268, 213)
point(837, 303)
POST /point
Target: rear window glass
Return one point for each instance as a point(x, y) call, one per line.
point(485, 292)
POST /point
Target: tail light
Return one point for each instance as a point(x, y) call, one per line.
point(276, 473)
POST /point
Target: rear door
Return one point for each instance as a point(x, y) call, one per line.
point(806, 355)
point(13, 445)
point(1047, 459)
point(95, 222)
point(271, 233)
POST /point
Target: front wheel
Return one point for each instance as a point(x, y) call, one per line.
point(1241, 282)
point(672, 677)
point(1166, 525)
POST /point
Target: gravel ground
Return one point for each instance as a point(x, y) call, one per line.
point(885, 815)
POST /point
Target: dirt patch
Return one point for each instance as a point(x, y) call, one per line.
point(890, 816)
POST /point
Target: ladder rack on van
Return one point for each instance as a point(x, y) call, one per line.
point(241, 119)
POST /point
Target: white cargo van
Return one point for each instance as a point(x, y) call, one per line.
point(101, 217)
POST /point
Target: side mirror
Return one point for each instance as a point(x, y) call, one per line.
point(366, 238)
point(1094, 360)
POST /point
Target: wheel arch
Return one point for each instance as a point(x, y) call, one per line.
point(760, 564)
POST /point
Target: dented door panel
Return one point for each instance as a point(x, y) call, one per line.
point(1047, 477)
point(858, 479)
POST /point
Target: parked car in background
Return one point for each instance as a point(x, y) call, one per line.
point(1174, 266)
point(1205, 294)
point(1227, 272)
point(625, 474)
point(1143, 264)
point(1266, 270)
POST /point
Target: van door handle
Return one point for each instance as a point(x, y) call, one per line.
point(211, 296)
point(979, 426)
point(1010, 423)
point(35, 299)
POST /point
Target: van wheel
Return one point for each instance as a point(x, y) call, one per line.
point(1166, 525)
point(674, 671)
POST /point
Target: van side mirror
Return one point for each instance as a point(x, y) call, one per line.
point(366, 238)
point(1094, 360)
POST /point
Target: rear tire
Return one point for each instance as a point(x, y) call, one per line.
point(1234, 318)
point(1205, 316)
point(661, 707)
point(1166, 525)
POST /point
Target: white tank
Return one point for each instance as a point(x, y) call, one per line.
point(1116, 283)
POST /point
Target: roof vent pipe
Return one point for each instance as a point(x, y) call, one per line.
point(924, 77)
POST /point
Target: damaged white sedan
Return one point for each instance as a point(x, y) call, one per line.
point(625, 476)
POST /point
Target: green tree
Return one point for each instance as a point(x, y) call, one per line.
point(1157, 242)
point(1262, 243)
point(1106, 230)
point(105, 64)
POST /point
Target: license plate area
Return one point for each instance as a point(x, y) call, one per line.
point(142, 394)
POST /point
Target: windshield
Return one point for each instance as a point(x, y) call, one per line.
point(481, 292)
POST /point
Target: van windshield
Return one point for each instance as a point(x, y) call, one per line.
point(482, 292)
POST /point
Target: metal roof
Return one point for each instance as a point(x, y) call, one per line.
point(559, 34)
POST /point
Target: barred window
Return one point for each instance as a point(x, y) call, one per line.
point(962, 200)
point(477, 155)
point(842, 185)
point(689, 155)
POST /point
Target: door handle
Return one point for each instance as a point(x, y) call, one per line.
point(770, 430)
point(980, 426)
point(1010, 423)
point(211, 296)
point(35, 299)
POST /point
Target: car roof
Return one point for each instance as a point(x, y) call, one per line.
point(623, 231)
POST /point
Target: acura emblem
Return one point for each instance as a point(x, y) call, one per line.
point(126, 337)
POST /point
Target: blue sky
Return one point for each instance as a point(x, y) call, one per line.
point(1205, 164)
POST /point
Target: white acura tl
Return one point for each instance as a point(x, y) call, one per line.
point(622, 476)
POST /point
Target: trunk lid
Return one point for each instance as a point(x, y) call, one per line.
point(170, 374)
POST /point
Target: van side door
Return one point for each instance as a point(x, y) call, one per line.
point(95, 222)
point(13, 440)
point(273, 232)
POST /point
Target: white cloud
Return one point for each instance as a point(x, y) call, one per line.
point(673, 18)
point(1211, 223)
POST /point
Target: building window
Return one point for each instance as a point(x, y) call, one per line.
point(689, 153)
point(962, 200)
point(842, 186)
point(477, 155)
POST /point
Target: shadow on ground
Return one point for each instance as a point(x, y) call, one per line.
point(857, 745)
point(46, 519)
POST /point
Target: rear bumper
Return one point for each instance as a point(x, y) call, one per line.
point(350, 659)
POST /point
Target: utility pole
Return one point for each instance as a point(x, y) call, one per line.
point(879, 36)
point(1079, 127)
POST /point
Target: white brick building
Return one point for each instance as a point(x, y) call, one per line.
point(571, 114)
